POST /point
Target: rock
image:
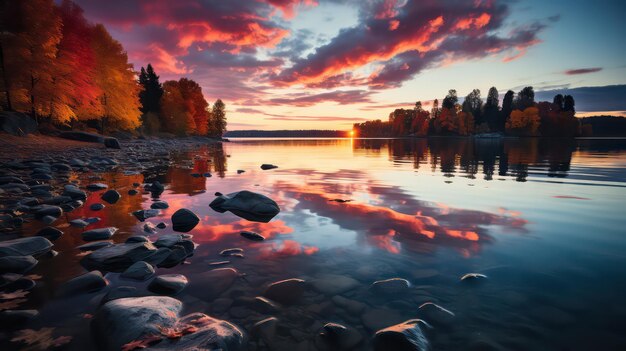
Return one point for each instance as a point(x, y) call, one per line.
point(14, 319)
point(112, 143)
point(168, 284)
point(96, 207)
point(97, 186)
point(168, 240)
point(390, 286)
point(184, 220)
point(352, 306)
point(138, 271)
point(48, 219)
point(210, 285)
point(333, 336)
point(435, 314)
point(30, 246)
point(118, 257)
point(247, 205)
point(82, 136)
point(10, 179)
point(123, 320)
point(142, 215)
point(239, 171)
point(50, 233)
point(473, 277)
point(267, 166)
point(265, 329)
point(231, 252)
point(406, 336)
point(95, 245)
point(155, 187)
point(47, 210)
point(160, 205)
point(17, 123)
point(263, 305)
point(137, 239)
point(177, 255)
point(252, 236)
point(161, 225)
point(132, 192)
point(286, 291)
point(111, 196)
point(74, 193)
point(149, 228)
point(120, 292)
point(99, 234)
point(159, 256)
point(79, 223)
point(83, 284)
point(17, 264)
point(377, 318)
point(333, 284)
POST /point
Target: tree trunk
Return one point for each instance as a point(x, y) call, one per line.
point(4, 79)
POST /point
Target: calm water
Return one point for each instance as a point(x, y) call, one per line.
point(544, 220)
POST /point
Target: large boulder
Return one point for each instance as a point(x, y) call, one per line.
point(33, 246)
point(84, 284)
point(83, 136)
point(17, 123)
point(112, 143)
point(406, 336)
point(286, 291)
point(124, 320)
point(248, 205)
point(17, 264)
point(118, 257)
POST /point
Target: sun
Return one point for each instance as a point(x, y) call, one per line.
point(351, 133)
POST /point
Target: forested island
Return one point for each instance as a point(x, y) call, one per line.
point(58, 72)
point(519, 115)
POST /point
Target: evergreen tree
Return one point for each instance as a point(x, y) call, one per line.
point(558, 101)
point(450, 100)
point(473, 104)
point(568, 103)
point(507, 107)
point(218, 117)
point(525, 99)
point(490, 112)
point(152, 92)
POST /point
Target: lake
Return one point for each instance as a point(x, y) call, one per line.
point(543, 220)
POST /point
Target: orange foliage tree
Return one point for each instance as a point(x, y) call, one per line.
point(524, 123)
point(195, 105)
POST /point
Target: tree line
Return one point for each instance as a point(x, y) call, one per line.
point(519, 115)
point(62, 69)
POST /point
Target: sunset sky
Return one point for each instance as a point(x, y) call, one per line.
point(325, 64)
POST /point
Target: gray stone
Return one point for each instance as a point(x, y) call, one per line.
point(337, 337)
point(247, 205)
point(265, 329)
point(168, 284)
point(83, 284)
point(138, 271)
point(47, 210)
point(82, 136)
point(168, 240)
point(33, 246)
point(17, 264)
point(142, 215)
point(120, 292)
point(149, 228)
point(99, 234)
point(210, 285)
point(390, 286)
point(74, 192)
point(80, 223)
point(97, 186)
point(252, 236)
point(95, 245)
point(184, 220)
point(96, 207)
point(436, 315)
point(406, 336)
point(159, 205)
point(50, 233)
point(118, 257)
point(112, 143)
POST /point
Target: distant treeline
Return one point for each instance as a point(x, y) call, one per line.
point(64, 70)
point(519, 115)
point(605, 125)
point(313, 133)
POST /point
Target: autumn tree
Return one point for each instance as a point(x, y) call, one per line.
point(524, 123)
point(119, 100)
point(473, 104)
point(29, 35)
point(217, 123)
point(558, 101)
point(421, 120)
point(525, 98)
point(176, 117)
point(196, 105)
point(450, 100)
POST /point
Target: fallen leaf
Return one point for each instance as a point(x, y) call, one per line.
point(17, 294)
point(41, 339)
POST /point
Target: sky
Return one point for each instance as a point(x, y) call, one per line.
point(326, 64)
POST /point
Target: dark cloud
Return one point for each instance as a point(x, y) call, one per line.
point(600, 98)
point(570, 72)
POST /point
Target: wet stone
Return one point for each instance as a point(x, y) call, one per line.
point(168, 284)
point(184, 220)
point(138, 271)
point(160, 205)
point(95, 245)
point(142, 215)
point(33, 246)
point(99, 234)
point(50, 233)
point(96, 207)
point(390, 286)
point(86, 283)
point(286, 291)
point(111, 196)
point(333, 284)
point(252, 236)
point(248, 205)
point(17, 264)
point(406, 336)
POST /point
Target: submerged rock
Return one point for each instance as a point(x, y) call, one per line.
point(436, 314)
point(50, 233)
point(210, 285)
point(184, 220)
point(406, 336)
point(99, 234)
point(337, 337)
point(252, 236)
point(473, 277)
point(142, 215)
point(33, 246)
point(286, 291)
point(265, 329)
point(267, 166)
point(333, 284)
point(160, 205)
point(248, 205)
point(390, 286)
